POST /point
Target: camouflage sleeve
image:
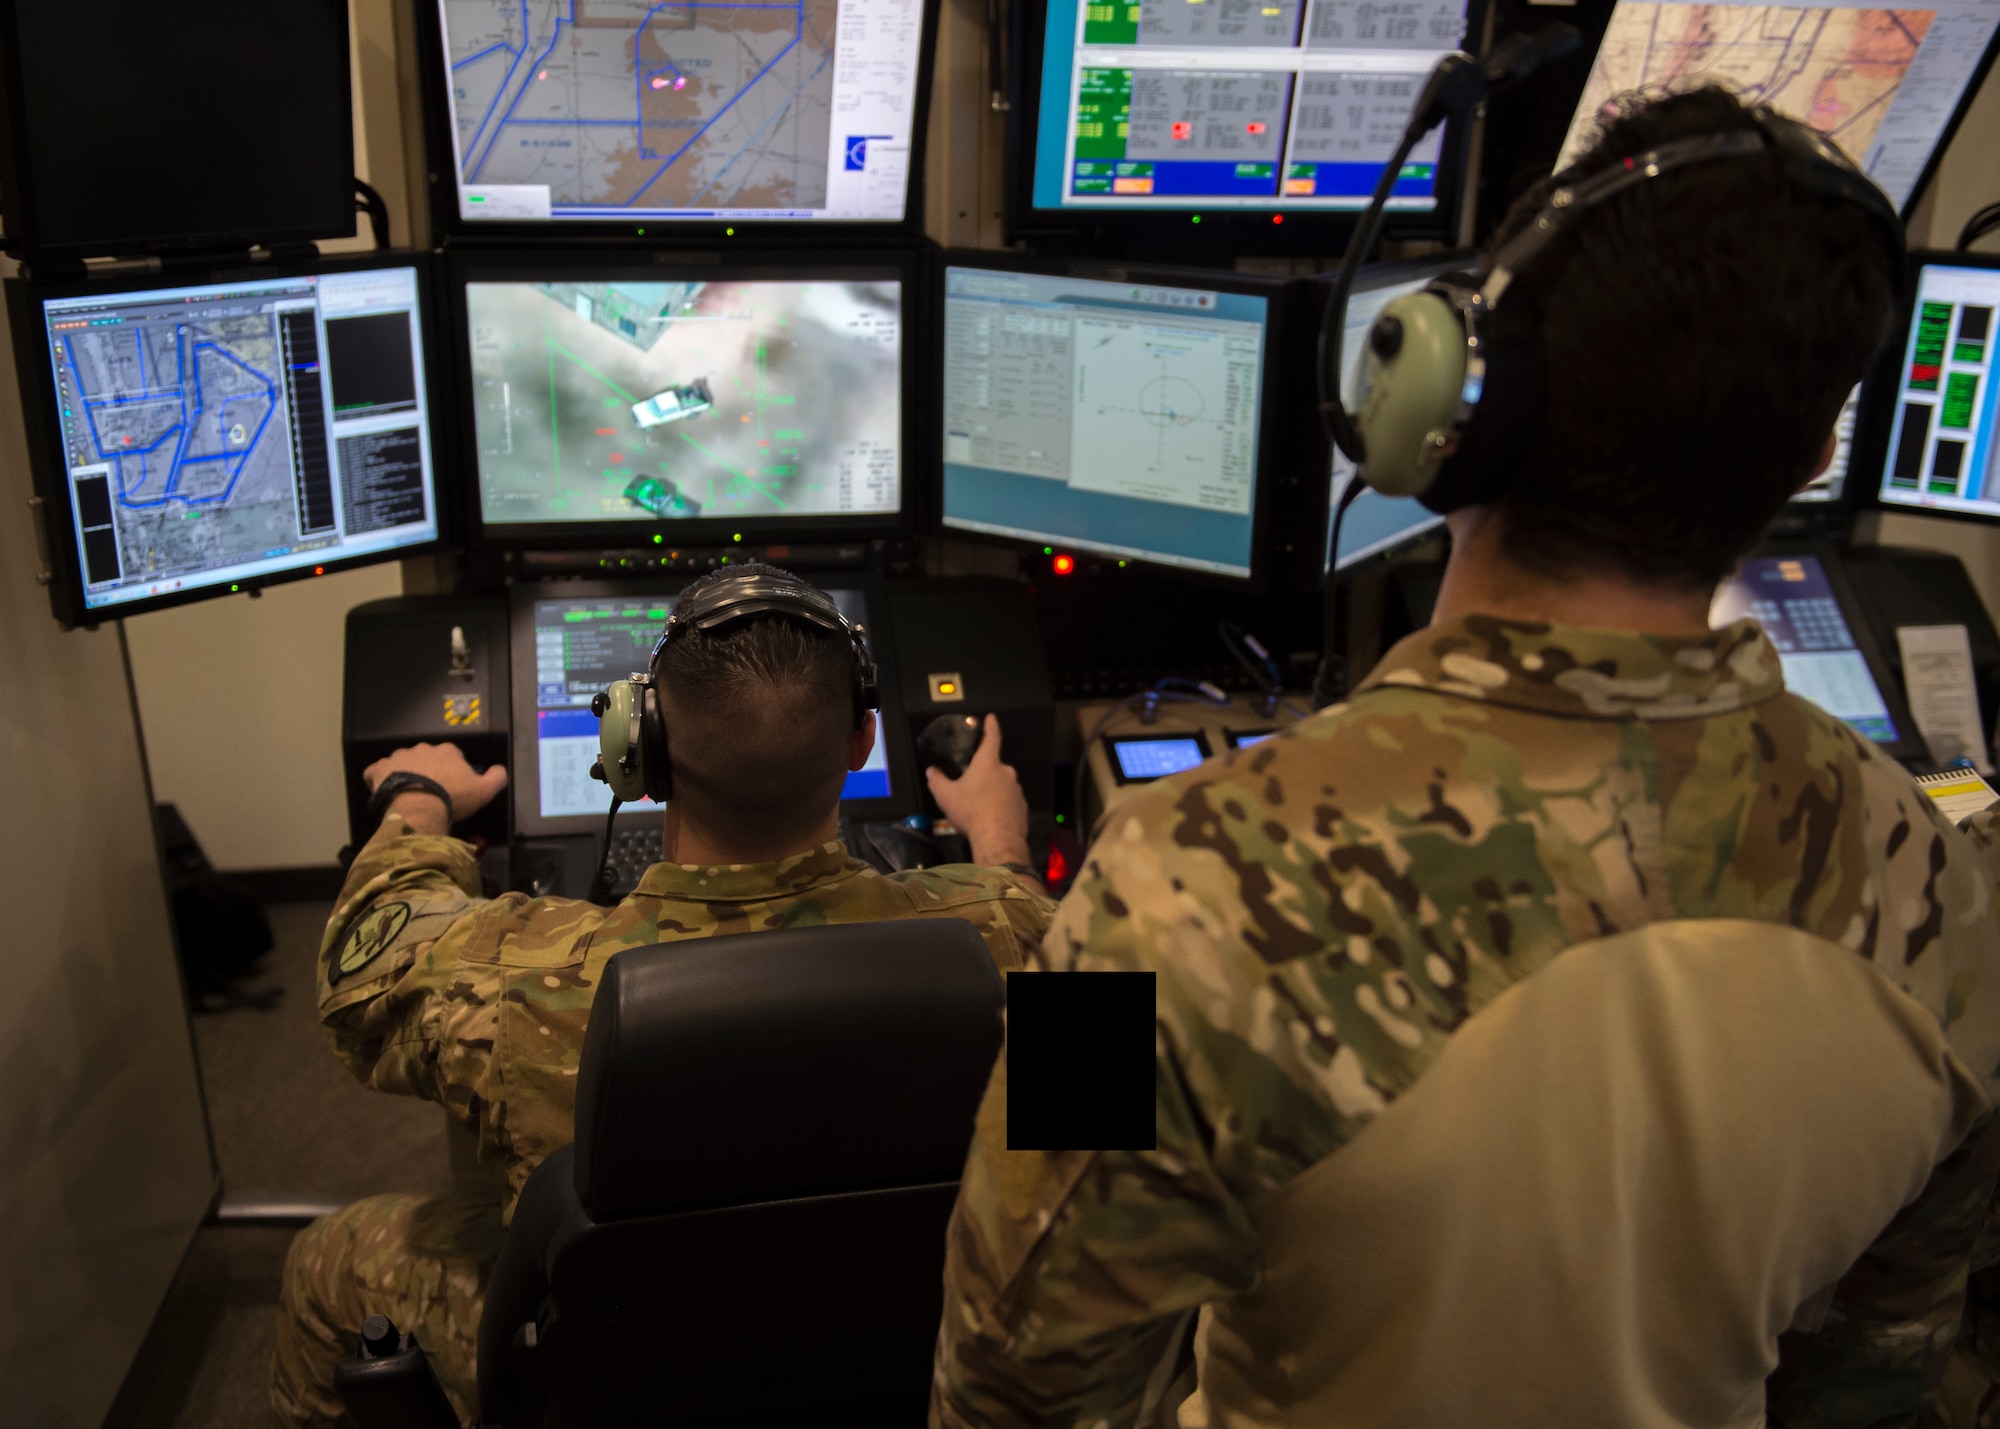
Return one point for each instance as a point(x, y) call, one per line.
point(1069, 1274)
point(1011, 910)
point(385, 964)
point(1878, 1354)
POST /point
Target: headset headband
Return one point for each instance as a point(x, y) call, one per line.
point(729, 599)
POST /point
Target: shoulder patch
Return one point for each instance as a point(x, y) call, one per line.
point(376, 930)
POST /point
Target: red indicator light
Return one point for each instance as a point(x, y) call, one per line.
point(1277, 218)
point(319, 570)
point(1058, 867)
point(1064, 565)
point(1182, 129)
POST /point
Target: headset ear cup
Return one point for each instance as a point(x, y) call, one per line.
point(654, 764)
point(1500, 439)
point(1412, 383)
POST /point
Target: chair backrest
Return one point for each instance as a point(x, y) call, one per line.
point(770, 1128)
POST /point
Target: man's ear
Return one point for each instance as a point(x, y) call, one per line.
point(862, 744)
point(1825, 460)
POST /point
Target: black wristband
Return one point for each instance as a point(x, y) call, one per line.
point(402, 782)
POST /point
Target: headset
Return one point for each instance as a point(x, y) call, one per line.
point(631, 726)
point(1429, 368)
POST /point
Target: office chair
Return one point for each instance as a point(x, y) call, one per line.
point(749, 1227)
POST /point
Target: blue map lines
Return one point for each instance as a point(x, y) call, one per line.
point(179, 423)
point(644, 107)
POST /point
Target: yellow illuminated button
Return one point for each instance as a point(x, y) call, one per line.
point(947, 688)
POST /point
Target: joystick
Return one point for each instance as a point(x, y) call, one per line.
point(950, 741)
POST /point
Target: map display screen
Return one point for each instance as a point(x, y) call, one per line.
point(1941, 452)
point(1883, 84)
point(622, 401)
point(582, 646)
point(215, 434)
point(567, 110)
point(1221, 104)
point(1118, 418)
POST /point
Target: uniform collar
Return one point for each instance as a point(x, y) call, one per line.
point(1585, 673)
point(748, 882)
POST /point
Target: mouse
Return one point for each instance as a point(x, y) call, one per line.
point(949, 741)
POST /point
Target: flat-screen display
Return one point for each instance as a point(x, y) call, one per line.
point(1793, 599)
point(1940, 456)
point(1375, 524)
point(1142, 758)
point(215, 435)
point(1290, 105)
point(1886, 85)
point(1119, 418)
point(583, 645)
point(569, 111)
point(142, 127)
point(672, 398)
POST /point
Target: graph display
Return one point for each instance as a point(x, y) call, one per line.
point(1232, 104)
point(1119, 418)
point(570, 110)
point(600, 401)
point(219, 433)
point(1940, 452)
point(1882, 83)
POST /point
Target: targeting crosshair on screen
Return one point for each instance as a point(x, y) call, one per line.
point(1170, 405)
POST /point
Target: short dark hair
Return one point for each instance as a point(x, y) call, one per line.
point(1701, 332)
point(758, 721)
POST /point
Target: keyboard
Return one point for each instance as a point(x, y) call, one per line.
point(633, 851)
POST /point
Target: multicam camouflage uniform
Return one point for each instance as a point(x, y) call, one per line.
point(1325, 911)
point(430, 991)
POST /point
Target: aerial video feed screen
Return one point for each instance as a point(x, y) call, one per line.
point(220, 433)
point(1119, 418)
point(1941, 452)
point(632, 110)
point(645, 401)
point(1220, 104)
point(1883, 84)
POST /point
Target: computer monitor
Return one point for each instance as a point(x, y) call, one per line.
point(629, 115)
point(640, 401)
point(136, 127)
point(1252, 117)
point(1940, 401)
point(1800, 596)
point(1376, 525)
point(196, 437)
point(572, 639)
point(1125, 415)
point(1889, 86)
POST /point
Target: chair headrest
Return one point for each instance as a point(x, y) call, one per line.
point(760, 1066)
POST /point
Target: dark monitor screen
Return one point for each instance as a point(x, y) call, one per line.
point(583, 643)
point(1792, 597)
point(1940, 456)
point(1888, 86)
point(563, 112)
point(671, 396)
point(140, 126)
point(1292, 106)
point(212, 436)
point(1120, 418)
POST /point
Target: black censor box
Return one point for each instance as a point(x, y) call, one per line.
point(1080, 1062)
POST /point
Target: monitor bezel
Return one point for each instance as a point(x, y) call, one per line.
point(442, 161)
point(1909, 747)
point(525, 766)
point(21, 204)
point(1162, 234)
point(1884, 386)
point(1276, 449)
point(464, 266)
point(43, 426)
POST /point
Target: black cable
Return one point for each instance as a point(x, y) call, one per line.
point(367, 200)
point(600, 886)
point(1982, 222)
point(996, 55)
point(1330, 684)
